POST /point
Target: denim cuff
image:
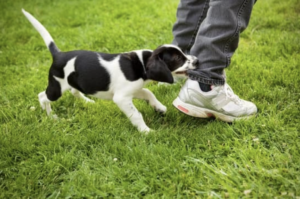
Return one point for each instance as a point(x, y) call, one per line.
point(193, 75)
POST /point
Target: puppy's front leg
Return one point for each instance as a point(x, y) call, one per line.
point(126, 105)
point(45, 104)
point(149, 96)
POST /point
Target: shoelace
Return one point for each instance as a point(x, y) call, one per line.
point(230, 94)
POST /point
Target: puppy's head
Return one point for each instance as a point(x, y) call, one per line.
point(169, 60)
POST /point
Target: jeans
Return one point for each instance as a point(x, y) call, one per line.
point(210, 30)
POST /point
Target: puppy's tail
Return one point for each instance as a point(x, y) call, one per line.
point(43, 32)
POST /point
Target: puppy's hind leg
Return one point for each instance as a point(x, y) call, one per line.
point(150, 97)
point(79, 95)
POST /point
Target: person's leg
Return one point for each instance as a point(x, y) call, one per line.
point(190, 14)
point(218, 37)
point(215, 42)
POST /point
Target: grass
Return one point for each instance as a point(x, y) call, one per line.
point(93, 151)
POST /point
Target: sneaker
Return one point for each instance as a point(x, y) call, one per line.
point(220, 103)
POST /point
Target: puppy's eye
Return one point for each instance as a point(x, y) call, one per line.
point(177, 57)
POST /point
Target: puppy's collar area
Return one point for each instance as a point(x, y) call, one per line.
point(143, 56)
point(145, 72)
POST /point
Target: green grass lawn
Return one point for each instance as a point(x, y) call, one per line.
point(93, 151)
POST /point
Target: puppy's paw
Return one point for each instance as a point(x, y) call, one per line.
point(163, 84)
point(148, 132)
point(53, 116)
point(144, 130)
point(89, 100)
point(86, 99)
point(161, 109)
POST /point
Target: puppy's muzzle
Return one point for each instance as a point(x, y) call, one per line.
point(195, 63)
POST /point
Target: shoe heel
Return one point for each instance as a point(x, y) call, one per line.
point(189, 109)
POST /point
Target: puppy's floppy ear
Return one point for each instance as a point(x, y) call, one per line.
point(158, 70)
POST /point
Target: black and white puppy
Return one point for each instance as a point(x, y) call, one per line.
point(118, 77)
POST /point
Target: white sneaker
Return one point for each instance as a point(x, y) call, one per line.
point(220, 103)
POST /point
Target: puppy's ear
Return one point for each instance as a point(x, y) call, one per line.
point(158, 70)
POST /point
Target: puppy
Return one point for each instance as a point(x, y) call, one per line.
point(118, 77)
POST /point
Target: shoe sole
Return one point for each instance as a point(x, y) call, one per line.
point(196, 111)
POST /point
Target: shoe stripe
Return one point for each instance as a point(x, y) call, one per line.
point(182, 109)
point(210, 115)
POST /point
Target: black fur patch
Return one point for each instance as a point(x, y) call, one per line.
point(89, 76)
point(172, 57)
point(132, 67)
point(146, 56)
point(53, 90)
point(53, 48)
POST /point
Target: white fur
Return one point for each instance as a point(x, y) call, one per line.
point(39, 27)
point(68, 69)
point(140, 56)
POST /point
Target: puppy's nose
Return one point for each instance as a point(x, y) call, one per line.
point(195, 62)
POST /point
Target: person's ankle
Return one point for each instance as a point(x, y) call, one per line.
point(204, 87)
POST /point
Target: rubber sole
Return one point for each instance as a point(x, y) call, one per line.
point(200, 112)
